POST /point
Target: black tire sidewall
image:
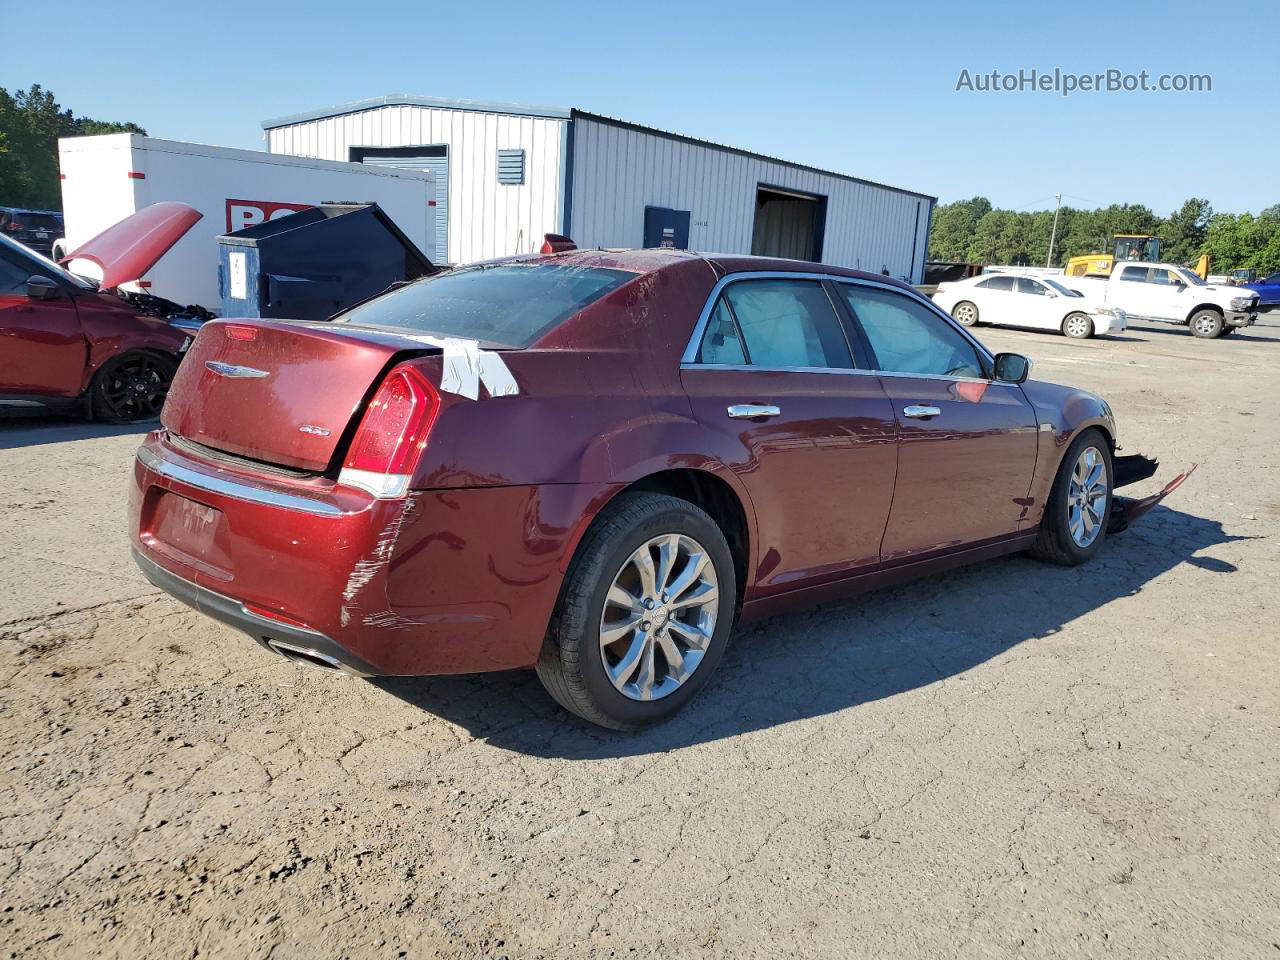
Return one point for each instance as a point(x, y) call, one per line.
point(605, 560)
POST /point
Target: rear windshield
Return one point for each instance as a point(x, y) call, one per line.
point(509, 305)
point(38, 221)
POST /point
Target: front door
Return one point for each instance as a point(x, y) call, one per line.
point(968, 444)
point(811, 436)
point(42, 350)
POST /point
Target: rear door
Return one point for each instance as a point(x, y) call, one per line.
point(42, 349)
point(1128, 290)
point(996, 301)
point(808, 431)
point(968, 444)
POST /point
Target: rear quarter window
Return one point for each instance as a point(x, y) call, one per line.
point(511, 305)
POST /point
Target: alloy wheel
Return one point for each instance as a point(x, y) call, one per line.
point(966, 314)
point(1077, 326)
point(134, 388)
point(1087, 497)
point(659, 617)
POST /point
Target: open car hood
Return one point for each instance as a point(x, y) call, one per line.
point(128, 249)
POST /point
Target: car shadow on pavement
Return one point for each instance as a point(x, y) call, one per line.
point(837, 656)
point(18, 432)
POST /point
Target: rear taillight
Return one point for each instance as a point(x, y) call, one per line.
point(392, 435)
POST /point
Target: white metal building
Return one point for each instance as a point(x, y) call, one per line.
point(508, 173)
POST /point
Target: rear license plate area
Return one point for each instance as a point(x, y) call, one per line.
point(190, 532)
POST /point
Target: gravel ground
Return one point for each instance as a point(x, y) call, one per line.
point(1008, 760)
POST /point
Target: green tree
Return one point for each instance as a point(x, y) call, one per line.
point(1183, 233)
point(31, 121)
point(953, 227)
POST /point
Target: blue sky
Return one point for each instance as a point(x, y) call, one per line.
point(867, 90)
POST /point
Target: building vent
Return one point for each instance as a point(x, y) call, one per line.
point(511, 167)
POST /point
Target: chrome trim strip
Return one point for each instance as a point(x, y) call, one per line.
point(752, 368)
point(691, 349)
point(237, 491)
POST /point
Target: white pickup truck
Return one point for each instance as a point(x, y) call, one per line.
point(1167, 293)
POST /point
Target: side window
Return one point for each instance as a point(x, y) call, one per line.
point(1030, 286)
point(997, 283)
point(720, 342)
point(13, 277)
point(788, 323)
point(908, 337)
point(1160, 276)
point(1138, 274)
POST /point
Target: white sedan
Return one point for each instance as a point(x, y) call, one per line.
point(1037, 303)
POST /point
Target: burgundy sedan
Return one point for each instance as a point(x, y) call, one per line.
point(595, 463)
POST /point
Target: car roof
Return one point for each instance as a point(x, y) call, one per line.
point(652, 259)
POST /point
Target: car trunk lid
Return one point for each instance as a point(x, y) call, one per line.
point(279, 392)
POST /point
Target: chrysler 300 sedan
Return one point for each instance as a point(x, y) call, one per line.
point(595, 463)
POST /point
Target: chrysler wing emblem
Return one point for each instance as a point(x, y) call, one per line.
point(230, 370)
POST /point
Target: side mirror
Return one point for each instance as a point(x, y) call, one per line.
point(1012, 367)
point(42, 288)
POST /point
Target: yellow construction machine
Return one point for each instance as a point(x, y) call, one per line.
point(1128, 246)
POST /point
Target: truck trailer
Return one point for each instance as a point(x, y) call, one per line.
point(107, 178)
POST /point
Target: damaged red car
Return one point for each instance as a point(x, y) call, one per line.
point(69, 344)
point(596, 463)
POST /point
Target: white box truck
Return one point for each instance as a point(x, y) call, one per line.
point(107, 178)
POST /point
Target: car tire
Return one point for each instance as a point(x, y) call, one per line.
point(131, 388)
point(1056, 542)
point(1077, 326)
point(1206, 324)
point(965, 313)
point(575, 663)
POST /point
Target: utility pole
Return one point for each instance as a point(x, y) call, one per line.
point(1054, 235)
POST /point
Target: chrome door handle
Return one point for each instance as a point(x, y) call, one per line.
point(750, 411)
point(920, 411)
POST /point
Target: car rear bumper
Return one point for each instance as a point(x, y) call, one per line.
point(459, 580)
point(293, 642)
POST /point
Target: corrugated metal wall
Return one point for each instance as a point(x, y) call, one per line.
point(486, 219)
point(618, 170)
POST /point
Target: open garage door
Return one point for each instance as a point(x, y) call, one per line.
point(433, 158)
point(788, 224)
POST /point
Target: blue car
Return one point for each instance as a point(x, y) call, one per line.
point(1268, 290)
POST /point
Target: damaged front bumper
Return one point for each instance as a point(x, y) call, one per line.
point(1126, 511)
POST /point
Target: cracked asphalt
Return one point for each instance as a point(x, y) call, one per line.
point(1010, 760)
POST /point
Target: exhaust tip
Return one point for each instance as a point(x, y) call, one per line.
point(310, 658)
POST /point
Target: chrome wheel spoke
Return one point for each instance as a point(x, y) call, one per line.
point(676, 668)
point(700, 596)
point(646, 677)
point(693, 636)
point(693, 568)
point(625, 599)
point(642, 559)
point(1087, 497)
point(659, 617)
point(667, 553)
point(621, 672)
point(613, 632)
